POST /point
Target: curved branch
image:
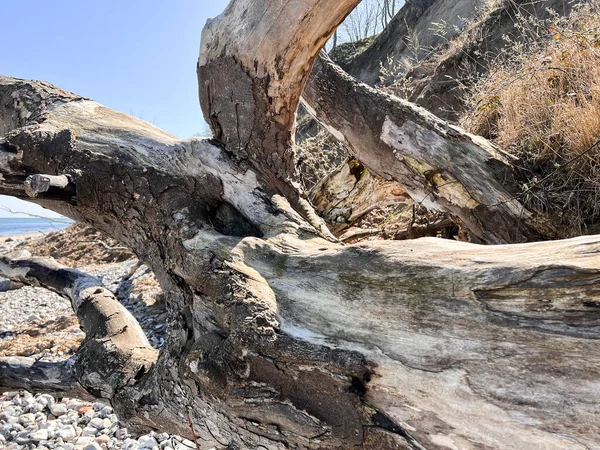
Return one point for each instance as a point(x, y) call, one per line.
point(32, 375)
point(115, 350)
point(254, 60)
point(440, 166)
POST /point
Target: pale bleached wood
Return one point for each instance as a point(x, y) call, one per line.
point(440, 166)
point(279, 338)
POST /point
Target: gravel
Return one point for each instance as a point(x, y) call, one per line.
point(30, 304)
point(84, 425)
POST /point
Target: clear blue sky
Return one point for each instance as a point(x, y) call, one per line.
point(135, 56)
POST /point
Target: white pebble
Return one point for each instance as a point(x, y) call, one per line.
point(58, 409)
point(84, 440)
point(67, 433)
point(89, 431)
point(92, 446)
point(27, 419)
point(39, 435)
point(147, 442)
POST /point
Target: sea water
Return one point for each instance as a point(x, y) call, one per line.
point(16, 225)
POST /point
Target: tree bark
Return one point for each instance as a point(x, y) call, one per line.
point(279, 336)
point(440, 166)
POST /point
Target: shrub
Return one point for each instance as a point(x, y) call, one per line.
point(541, 102)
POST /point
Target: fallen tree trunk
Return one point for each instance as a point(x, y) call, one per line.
point(279, 336)
point(439, 165)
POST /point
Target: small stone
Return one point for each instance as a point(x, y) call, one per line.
point(58, 409)
point(104, 439)
point(89, 431)
point(84, 409)
point(92, 446)
point(98, 406)
point(162, 437)
point(84, 440)
point(39, 435)
point(67, 446)
point(67, 433)
point(22, 440)
point(36, 408)
point(147, 442)
point(27, 419)
point(49, 425)
point(74, 404)
point(97, 423)
point(121, 433)
point(130, 444)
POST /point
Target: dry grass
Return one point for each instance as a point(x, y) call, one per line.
point(318, 155)
point(61, 334)
point(543, 105)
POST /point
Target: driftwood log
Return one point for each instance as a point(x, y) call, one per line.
point(280, 336)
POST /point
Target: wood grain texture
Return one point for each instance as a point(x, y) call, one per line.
point(279, 336)
point(439, 165)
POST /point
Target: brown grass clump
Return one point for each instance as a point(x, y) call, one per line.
point(34, 338)
point(78, 245)
point(318, 155)
point(543, 105)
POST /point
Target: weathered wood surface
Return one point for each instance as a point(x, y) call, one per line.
point(351, 191)
point(283, 339)
point(115, 349)
point(474, 347)
point(439, 165)
point(36, 184)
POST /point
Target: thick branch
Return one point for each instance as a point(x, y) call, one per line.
point(254, 61)
point(119, 168)
point(440, 166)
point(39, 376)
point(493, 346)
point(115, 349)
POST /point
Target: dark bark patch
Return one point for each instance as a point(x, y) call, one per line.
point(228, 221)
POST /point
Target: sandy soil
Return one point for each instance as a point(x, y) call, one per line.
point(21, 237)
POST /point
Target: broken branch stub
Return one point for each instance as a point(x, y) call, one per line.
point(38, 184)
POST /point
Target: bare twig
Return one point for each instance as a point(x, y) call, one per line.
point(187, 412)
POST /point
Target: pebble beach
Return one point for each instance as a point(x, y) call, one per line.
point(38, 323)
